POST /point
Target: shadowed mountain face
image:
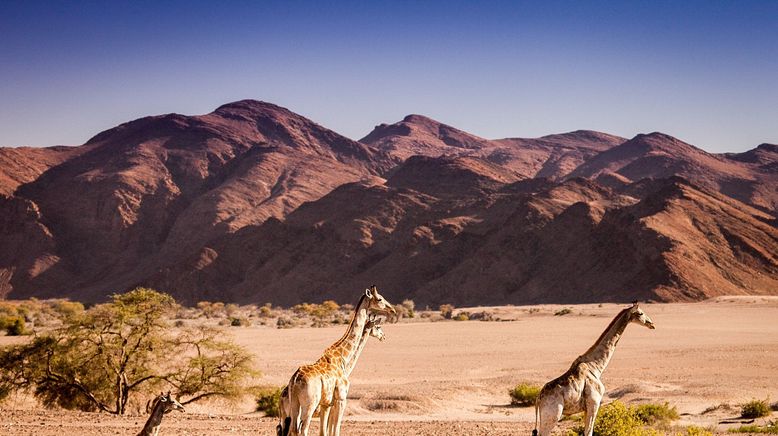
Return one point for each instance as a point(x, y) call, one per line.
point(254, 203)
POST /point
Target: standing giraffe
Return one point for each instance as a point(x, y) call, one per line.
point(580, 388)
point(372, 328)
point(320, 384)
point(163, 404)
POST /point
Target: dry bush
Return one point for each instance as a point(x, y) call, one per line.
point(446, 310)
point(564, 311)
point(755, 409)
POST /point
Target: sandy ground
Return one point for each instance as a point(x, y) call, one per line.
point(441, 378)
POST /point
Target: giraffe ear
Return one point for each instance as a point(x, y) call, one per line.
point(368, 293)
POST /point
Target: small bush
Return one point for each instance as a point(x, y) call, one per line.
point(616, 419)
point(462, 316)
point(524, 395)
point(446, 310)
point(268, 401)
point(694, 430)
point(651, 414)
point(239, 322)
point(755, 409)
point(285, 322)
point(13, 325)
point(482, 316)
point(563, 311)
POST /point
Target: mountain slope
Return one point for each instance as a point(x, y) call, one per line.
point(154, 190)
point(550, 156)
point(748, 177)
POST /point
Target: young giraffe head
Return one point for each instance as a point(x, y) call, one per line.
point(637, 316)
point(377, 303)
point(169, 403)
point(373, 328)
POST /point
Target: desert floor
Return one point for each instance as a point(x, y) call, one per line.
point(452, 378)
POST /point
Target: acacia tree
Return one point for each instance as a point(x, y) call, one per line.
point(99, 357)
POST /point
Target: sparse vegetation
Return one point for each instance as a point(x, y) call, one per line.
point(755, 409)
point(102, 356)
point(446, 311)
point(524, 394)
point(617, 419)
point(694, 430)
point(770, 428)
point(652, 413)
point(462, 316)
point(268, 401)
point(237, 321)
point(562, 312)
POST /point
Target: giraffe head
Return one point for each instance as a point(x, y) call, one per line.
point(373, 328)
point(169, 403)
point(377, 304)
point(637, 315)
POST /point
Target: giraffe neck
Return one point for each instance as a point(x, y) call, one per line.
point(344, 350)
point(600, 354)
point(351, 363)
point(154, 421)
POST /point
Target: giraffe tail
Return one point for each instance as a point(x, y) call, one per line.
point(537, 416)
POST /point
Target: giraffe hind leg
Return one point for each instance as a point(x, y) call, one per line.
point(550, 411)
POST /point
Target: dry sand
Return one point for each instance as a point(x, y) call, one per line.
point(440, 378)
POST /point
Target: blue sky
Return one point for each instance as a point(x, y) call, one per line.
point(706, 72)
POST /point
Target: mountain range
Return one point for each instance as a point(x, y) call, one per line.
point(254, 203)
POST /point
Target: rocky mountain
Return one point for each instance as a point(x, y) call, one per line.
point(253, 203)
point(552, 156)
point(748, 177)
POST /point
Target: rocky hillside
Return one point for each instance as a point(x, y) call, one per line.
point(254, 203)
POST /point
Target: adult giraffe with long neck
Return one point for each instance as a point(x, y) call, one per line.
point(372, 329)
point(580, 388)
point(321, 384)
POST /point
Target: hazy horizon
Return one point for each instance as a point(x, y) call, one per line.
point(700, 71)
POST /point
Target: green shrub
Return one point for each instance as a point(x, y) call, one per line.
point(651, 414)
point(755, 409)
point(771, 428)
point(17, 327)
point(268, 401)
point(563, 311)
point(462, 316)
point(694, 430)
point(524, 394)
point(616, 419)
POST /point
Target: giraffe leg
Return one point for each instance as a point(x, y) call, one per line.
point(324, 415)
point(306, 414)
point(550, 409)
point(592, 406)
point(339, 418)
point(339, 406)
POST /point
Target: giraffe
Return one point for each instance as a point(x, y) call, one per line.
point(372, 328)
point(580, 388)
point(162, 404)
point(321, 383)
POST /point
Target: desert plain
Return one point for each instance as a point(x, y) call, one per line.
point(452, 377)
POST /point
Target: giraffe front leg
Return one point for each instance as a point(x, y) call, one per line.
point(593, 400)
point(339, 407)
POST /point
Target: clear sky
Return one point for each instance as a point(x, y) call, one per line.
point(703, 71)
